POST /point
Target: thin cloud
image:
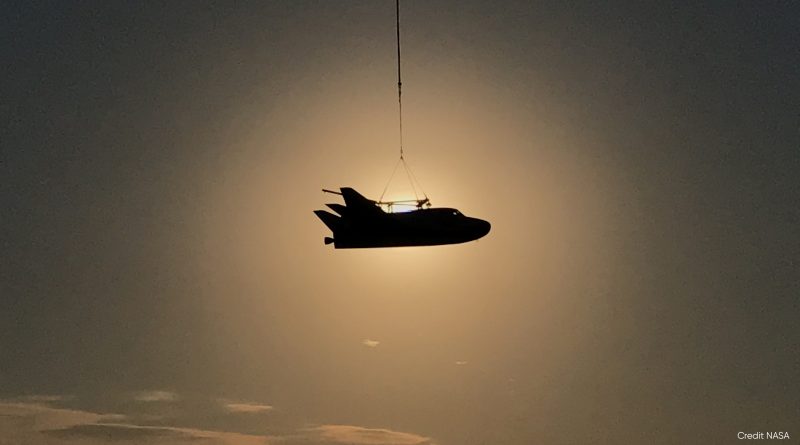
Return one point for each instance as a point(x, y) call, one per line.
point(356, 435)
point(461, 362)
point(25, 422)
point(154, 434)
point(245, 407)
point(42, 416)
point(370, 343)
point(41, 424)
point(45, 398)
point(115, 432)
point(155, 396)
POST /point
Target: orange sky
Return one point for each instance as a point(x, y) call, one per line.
point(166, 280)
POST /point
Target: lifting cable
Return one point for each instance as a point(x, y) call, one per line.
point(411, 178)
point(399, 80)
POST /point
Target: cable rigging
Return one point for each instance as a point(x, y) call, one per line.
point(409, 174)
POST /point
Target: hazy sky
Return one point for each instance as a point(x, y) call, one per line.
point(163, 278)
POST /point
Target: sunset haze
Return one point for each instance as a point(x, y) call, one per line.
point(163, 278)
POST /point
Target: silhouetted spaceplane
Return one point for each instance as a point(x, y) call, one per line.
point(364, 224)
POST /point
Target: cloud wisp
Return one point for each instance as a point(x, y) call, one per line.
point(245, 407)
point(356, 435)
point(155, 396)
point(44, 398)
point(42, 423)
point(111, 432)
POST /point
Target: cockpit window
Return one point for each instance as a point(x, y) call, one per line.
point(456, 213)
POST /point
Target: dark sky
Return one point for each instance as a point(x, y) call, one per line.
point(163, 277)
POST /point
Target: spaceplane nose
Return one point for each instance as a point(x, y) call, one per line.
point(483, 228)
